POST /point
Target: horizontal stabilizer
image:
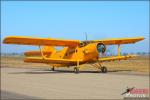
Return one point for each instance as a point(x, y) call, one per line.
point(36, 53)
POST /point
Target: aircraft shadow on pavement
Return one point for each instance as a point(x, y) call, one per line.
point(6, 95)
point(47, 71)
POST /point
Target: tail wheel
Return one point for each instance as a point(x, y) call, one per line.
point(76, 70)
point(104, 69)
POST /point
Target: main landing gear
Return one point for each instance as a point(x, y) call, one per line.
point(104, 69)
point(76, 70)
point(99, 66)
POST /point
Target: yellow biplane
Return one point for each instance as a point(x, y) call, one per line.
point(74, 52)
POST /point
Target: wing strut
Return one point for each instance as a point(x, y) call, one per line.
point(118, 49)
point(76, 69)
point(41, 52)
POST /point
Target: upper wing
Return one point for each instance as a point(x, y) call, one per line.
point(40, 41)
point(113, 58)
point(70, 43)
point(120, 40)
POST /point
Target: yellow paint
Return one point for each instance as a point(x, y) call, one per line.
point(118, 49)
point(73, 52)
point(113, 58)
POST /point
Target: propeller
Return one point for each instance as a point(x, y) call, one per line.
point(101, 48)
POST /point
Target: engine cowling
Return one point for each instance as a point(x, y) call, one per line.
point(101, 48)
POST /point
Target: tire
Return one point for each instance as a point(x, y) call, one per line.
point(104, 69)
point(76, 70)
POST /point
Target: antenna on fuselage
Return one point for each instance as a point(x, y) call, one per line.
point(85, 36)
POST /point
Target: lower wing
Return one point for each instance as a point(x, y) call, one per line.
point(113, 58)
point(49, 60)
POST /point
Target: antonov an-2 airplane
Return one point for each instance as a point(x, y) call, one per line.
point(74, 52)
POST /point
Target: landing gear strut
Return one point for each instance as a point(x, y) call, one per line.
point(53, 69)
point(104, 69)
point(76, 70)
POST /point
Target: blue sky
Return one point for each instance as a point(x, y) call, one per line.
point(70, 20)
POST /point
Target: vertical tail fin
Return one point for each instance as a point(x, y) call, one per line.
point(47, 51)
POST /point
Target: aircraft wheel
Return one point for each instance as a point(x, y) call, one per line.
point(76, 70)
point(104, 69)
point(53, 68)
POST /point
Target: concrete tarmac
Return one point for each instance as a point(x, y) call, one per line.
point(21, 83)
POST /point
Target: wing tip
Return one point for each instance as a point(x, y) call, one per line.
point(5, 41)
point(8, 39)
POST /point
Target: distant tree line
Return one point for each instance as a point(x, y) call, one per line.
point(12, 54)
point(137, 53)
point(125, 53)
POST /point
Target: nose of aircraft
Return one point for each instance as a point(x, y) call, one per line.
point(101, 48)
